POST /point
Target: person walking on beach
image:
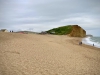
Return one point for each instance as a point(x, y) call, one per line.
point(12, 31)
point(80, 43)
point(93, 44)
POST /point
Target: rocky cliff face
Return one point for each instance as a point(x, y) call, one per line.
point(77, 31)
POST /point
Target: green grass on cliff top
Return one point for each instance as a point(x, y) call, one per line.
point(60, 30)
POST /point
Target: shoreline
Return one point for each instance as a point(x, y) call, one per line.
point(77, 40)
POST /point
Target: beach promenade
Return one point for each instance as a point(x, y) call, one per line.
point(35, 54)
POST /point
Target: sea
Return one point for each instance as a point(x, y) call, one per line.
point(91, 41)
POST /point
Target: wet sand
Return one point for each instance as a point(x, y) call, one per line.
point(35, 54)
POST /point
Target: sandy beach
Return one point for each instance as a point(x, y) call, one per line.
point(35, 54)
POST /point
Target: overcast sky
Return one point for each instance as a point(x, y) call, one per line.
point(41, 15)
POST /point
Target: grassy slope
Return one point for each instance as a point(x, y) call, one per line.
point(26, 32)
point(61, 30)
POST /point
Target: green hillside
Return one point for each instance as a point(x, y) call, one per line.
point(60, 30)
point(26, 32)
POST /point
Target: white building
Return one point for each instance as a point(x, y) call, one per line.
point(3, 30)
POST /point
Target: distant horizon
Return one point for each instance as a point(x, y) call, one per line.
point(45, 30)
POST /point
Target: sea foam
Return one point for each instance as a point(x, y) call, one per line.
point(89, 41)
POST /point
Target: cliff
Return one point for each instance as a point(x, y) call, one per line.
point(70, 30)
point(77, 31)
